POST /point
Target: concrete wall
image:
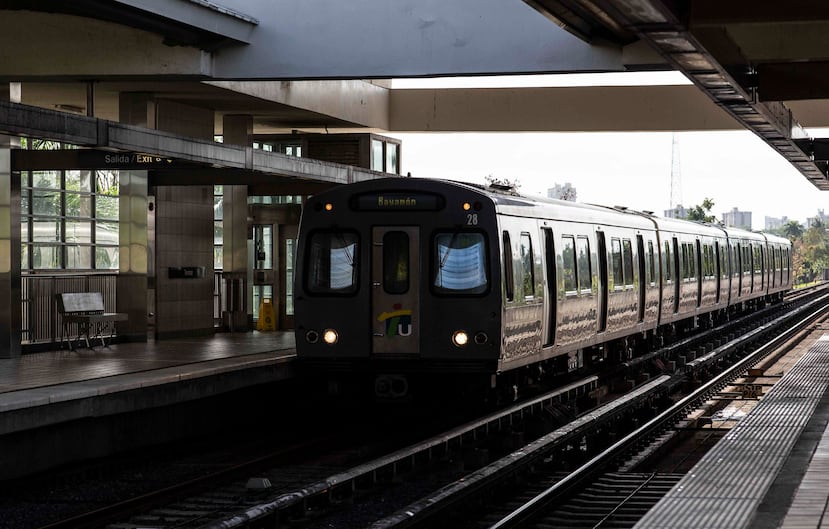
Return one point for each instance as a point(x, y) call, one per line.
point(184, 238)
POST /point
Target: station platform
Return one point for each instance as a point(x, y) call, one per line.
point(771, 470)
point(41, 393)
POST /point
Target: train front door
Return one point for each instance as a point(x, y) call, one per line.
point(395, 287)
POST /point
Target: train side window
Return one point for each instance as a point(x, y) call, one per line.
point(509, 278)
point(669, 267)
point(568, 255)
point(332, 262)
point(627, 260)
point(528, 279)
point(676, 263)
point(396, 262)
point(616, 257)
point(460, 263)
point(584, 272)
point(651, 264)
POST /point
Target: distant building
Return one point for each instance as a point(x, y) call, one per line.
point(737, 219)
point(565, 192)
point(679, 212)
point(773, 223)
point(811, 221)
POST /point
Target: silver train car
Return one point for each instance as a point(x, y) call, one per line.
point(409, 280)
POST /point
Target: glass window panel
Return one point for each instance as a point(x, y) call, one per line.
point(396, 262)
point(508, 274)
point(79, 257)
point(78, 231)
point(584, 264)
point(218, 207)
point(46, 179)
point(25, 203)
point(218, 257)
point(218, 233)
point(628, 260)
point(107, 207)
point(290, 244)
point(460, 263)
point(376, 155)
point(106, 257)
point(669, 268)
point(569, 261)
point(24, 229)
point(391, 158)
point(78, 205)
point(46, 230)
point(79, 181)
point(528, 280)
point(616, 254)
point(46, 202)
point(106, 182)
point(105, 233)
point(332, 266)
point(24, 256)
point(45, 257)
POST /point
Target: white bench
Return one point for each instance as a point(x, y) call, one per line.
point(86, 309)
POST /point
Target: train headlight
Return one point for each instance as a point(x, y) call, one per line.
point(330, 336)
point(460, 338)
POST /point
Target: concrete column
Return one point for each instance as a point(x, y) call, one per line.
point(237, 130)
point(131, 288)
point(10, 289)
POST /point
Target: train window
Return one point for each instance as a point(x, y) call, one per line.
point(396, 262)
point(508, 275)
point(528, 279)
point(568, 254)
point(460, 263)
point(332, 265)
point(616, 256)
point(583, 247)
point(627, 259)
point(669, 268)
point(651, 264)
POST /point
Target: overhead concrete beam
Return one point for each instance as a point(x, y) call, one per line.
point(569, 109)
point(35, 45)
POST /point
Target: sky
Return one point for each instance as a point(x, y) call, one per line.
point(633, 169)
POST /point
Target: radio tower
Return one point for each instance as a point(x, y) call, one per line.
point(676, 177)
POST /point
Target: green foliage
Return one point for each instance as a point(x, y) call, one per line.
point(702, 212)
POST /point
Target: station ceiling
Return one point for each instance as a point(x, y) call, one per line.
point(758, 65)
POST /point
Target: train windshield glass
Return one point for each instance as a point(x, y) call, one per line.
point(460, 263)
point(332, 263)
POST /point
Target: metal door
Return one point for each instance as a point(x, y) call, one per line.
point(395, 290)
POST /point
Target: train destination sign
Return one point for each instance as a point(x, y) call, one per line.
point(398, 201)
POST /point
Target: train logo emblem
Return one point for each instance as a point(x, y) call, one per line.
point(398, 322)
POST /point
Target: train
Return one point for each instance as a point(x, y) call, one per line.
point(414, 282)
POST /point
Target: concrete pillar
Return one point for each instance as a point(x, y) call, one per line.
point(131, 288)
point(237, 130)
point(10, 289)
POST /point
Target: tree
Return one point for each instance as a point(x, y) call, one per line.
point(502, 182)
point(792, 230)
point(702, 212)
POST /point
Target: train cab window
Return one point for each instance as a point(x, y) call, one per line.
point(583, 267)
point(396, 262)
point(528, 279)
point(568, 255)
point(460, 263)
point(616, 257)
point(627, 259)
point(331, 262)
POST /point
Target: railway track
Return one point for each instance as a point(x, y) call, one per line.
point(447, 476)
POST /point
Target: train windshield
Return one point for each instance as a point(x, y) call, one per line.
point(332, 262)
point(460, 263)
